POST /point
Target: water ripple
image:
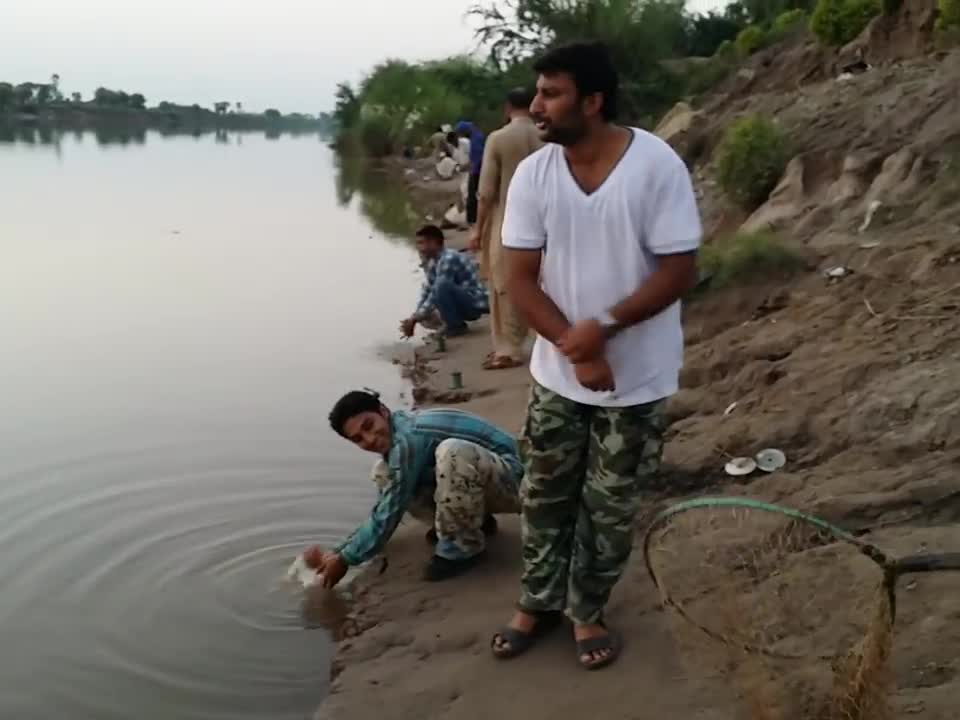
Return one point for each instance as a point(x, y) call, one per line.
point(161, 575)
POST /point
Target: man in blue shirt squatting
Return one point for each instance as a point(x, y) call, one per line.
point(448, 468)
point(451, 289)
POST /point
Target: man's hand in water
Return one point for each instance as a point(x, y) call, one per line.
point(328, 564)
point(333, 568)
point(407, 326)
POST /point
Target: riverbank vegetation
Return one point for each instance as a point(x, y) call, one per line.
point(665, 53)
point(46, 104)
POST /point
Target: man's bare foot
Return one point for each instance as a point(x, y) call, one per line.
point(501, 362)
point(599, 656)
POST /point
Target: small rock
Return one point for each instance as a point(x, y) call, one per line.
point(837, 272)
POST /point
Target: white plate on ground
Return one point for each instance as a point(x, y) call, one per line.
point(740, 466)
point(771, 459)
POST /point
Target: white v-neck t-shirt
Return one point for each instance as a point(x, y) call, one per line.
point(600, 248)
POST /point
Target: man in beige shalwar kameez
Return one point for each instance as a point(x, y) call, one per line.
point(505, 149)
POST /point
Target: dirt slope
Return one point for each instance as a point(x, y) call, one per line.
point(857, 379)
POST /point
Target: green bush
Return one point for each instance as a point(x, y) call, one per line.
point(837, 22)
point(946, 38)
point(788, 22)
point(748, 256)
point(377, 135)
point(726, 49)
point(949, 14)
point(751, 158)
point(750, 39)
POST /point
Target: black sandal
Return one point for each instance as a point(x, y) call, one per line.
point(518, 642)
point(611, 641)
point(441, 568)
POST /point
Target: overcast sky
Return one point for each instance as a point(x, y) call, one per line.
point(287, 54)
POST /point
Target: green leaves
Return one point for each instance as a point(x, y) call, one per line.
point(837, 22)
point(750, 160)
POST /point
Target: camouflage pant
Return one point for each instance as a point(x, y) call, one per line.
point(471, 482)
point(586, 468)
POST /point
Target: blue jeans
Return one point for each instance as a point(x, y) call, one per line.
point(456, 306)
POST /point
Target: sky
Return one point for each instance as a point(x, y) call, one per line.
point(287, 54)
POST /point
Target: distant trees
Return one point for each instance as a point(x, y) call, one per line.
point(399, 102)
point(43, 94)
point(24, 94)
point(47, 98)
point(708, 32)
point(30, 96)
point(347, 109)
point(105, 97)
point(7, 96)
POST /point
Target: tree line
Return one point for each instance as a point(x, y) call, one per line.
point(659, 46)
point(32, 98)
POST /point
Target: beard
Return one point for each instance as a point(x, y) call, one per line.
point(565, 134)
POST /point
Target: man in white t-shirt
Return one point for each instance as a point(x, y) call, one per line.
point(601, 231)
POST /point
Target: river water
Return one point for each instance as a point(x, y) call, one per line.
point(177, 315)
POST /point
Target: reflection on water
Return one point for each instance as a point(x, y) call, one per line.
point(382, 199)
point(177, 316)
point(323, 609)
point(131, 133)
point(378, 195)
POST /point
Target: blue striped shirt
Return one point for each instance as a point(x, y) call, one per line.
point(460, 269)
point(411, 463)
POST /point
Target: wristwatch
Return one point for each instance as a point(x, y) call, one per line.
point(611, 326)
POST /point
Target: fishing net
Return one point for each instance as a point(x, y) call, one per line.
point(794, 619)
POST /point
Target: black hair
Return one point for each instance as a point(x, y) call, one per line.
point(431, 232)
point(452, 137)
point(352, 404)
point(520, 98)
point(591, 67)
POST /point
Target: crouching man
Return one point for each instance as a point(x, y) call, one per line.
point(448, 468)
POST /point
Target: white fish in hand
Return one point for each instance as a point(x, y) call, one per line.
point(300, 572)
